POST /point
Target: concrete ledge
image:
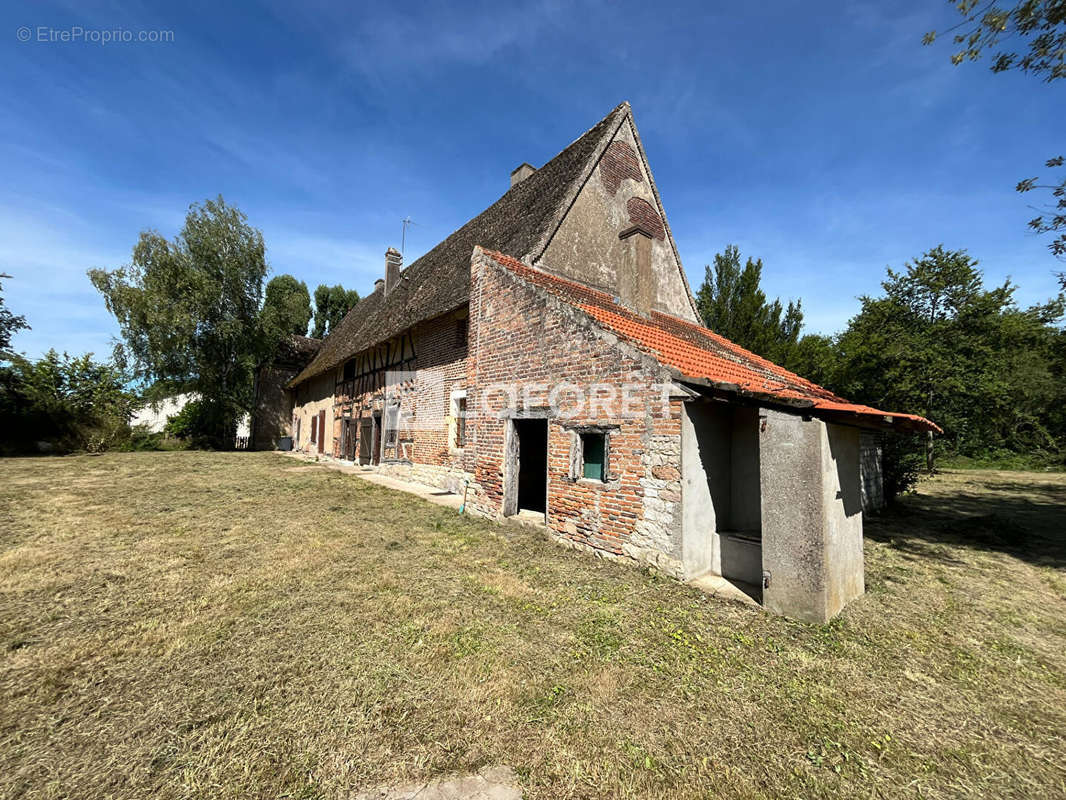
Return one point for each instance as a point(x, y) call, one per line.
point(717, 586)
point(432, 494)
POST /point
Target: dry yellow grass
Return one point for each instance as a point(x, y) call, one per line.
point(217, 625)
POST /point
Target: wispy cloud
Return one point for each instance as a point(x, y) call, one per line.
point(49, 285)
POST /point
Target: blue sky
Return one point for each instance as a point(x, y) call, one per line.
point(821, 137)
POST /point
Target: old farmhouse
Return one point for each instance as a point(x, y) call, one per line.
point(547, 358)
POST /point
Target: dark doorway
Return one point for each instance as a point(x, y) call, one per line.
point(532, 436)
point(375, 455)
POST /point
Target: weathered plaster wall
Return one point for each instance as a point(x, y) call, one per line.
point(873, 481)
point(520, 334)
point(586, 247)
point(705, 473)
point(720, 463)
point(811, 520)
point(842, 504)
point(312, 397)
point(745, 505)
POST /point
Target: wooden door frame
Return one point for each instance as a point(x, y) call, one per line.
point(512, 465)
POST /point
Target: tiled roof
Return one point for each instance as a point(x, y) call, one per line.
point(439, 281)
point(703, 356)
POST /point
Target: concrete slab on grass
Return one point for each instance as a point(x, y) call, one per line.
point(717, 586)
point(490, 783)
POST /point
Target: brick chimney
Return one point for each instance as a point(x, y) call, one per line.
point(520, 173)
point(393, 265)
point(636, 288)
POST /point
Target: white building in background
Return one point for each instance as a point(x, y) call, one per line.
point(154, 416)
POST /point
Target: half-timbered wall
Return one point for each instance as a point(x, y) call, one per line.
point(415, 373)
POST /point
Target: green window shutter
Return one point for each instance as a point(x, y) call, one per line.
point(593, 451)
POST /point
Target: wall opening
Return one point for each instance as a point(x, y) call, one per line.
point(526, 470)
point(726, 521)
point(375, 440)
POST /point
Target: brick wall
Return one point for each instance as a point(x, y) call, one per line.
point(518, 333)
point(272, 417)
point(642, 213)
point(619, 162)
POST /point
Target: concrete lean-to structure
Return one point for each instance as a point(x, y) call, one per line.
point(548, 360)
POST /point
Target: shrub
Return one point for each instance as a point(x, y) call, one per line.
point(63, 403)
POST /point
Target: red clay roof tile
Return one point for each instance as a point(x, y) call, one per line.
point(699, 353)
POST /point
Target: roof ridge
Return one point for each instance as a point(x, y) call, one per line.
point(616, 117)
point(439, 280)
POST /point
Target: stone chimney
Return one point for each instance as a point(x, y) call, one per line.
point(393, 265)
point(520, 173)
point(636, 288)
point(379, 284)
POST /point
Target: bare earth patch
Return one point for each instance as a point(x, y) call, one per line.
point(225, 625)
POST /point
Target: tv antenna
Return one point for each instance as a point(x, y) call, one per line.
point(403, 236)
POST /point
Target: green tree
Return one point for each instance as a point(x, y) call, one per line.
point(331, 304)
point(9, 323)
point(287, 306)
point(733, 304)
point(940, 344)
point(1053, 220)
point(815, 358)
point(71, 402)
point(1041, 26)
point(189, 311)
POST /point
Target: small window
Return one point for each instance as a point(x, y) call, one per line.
point(460, 422)
point(349, 370)
point(594, 456)
point(392, 424)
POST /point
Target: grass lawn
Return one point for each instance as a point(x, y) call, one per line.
point(240, 625)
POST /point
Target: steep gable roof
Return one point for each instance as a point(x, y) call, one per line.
point(438, 282)
point(701, 356)
point(590, 166)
